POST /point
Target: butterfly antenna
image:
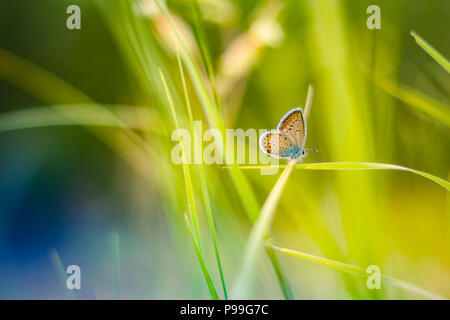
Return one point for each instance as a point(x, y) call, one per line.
point(312, 149)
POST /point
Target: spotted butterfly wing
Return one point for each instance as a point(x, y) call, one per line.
point(294, 127)
point(277, 144)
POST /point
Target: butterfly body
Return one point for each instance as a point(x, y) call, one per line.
point(293, 152)
point(288, 139)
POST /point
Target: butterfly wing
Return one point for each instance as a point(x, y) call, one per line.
point(294, 127)
point(277, 144)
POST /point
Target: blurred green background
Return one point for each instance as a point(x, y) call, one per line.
point(86, 176)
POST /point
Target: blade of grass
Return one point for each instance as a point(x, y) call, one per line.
point(61, 273)
point(201, 39)
point(77, 115)
point(51, 89)
point(439, 58)
point(212, 115)
point(344, 267)
point(187, 175)
point(359, 166)
point(116, 264)
point(247, 197)
point(203, 183)
point(37, 81)
point(284, 284)
point(201, 261)
point(191, 202)
point(210, 109)
point(419, 101)
point(308, 103)
point(137, 43)
point(211, 112)
point(260, 229)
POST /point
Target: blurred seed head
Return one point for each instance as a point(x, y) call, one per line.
point(164, 32)
point(266, 31)
point(149, 7)
point(221, 12)
point(243, 53)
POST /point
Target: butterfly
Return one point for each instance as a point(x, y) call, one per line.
point(288, 140)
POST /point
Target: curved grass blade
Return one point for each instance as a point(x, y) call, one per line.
point(78, 115)
point(439, 58)
point(201, 39)
point(201, 261)
point(284, 284)
point(260, 229)
point(191, 203)
point(36, 81)
point(54, 256)
point(203, 184)
point(116, 264)
point(210, 109)
point(344, 267)
point(187, 174)
point(212, 114)
point(49, 88)
point(418, 100)
point(360, 166)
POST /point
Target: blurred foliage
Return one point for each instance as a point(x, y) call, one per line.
point(88, 178)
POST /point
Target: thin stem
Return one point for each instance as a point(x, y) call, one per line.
point(436, 55)
point(262, 225)
point(187, 175)
point(204, 184)
point(201, 261)
point(356, 270)
point(309, 97)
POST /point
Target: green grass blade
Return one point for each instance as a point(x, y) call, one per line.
point(210, 109)
point(203, 184)
point(205, 193)
point(260, 229)
point(284, 284)
point(250, 204)
point(49, 88)
point(344, 267)
point(37, 81)
point(185, 91)
point(419, 101)
point(439, 58)
point(208, 104)
point(116, 264)
point(187, 174)
point(201, 261)
point(54, 256)
point(191, 203)
point(212, 115)
point(201, 39)
point(360, 166)
point(79, 115)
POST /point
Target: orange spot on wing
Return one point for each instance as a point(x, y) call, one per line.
point(269, 149)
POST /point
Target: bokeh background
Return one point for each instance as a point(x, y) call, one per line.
point(86, 176)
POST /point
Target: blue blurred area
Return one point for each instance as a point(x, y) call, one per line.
point(50, 200)
point(50, 195)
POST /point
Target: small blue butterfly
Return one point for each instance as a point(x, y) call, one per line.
point(288, 139)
